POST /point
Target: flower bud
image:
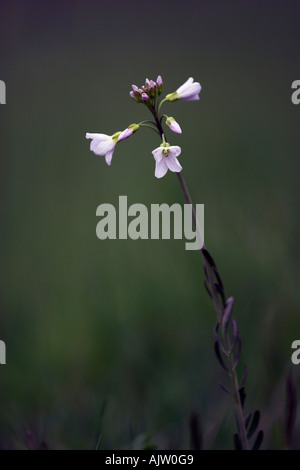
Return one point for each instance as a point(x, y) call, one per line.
point(128, 132)
point(159, 84)
point(173, 125)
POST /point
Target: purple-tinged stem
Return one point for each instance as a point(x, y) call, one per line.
point(216, 300)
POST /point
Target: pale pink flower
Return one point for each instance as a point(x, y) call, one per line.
point(103, 144)
point(166, 159)
point(189, 91)
point(173, 125)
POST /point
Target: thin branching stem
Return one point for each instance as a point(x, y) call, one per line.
point(215, 297)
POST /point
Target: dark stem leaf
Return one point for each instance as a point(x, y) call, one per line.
point(208, 257)
point(223, 387)
point(218, 277)
point(254, 424)
point(237, 442)
point(244, 376)
point(219, 357)
point(258, 441)
point(235, 332)
point(207, 288)
point(242, 396)
point(247, 420)
point(221, 293)
point(238, 352)
point(218, 340)
point(227, 315)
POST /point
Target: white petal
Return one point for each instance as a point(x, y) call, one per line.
point(194, 88)
point(103, 148)
point(190, 98)
point(175, 150)
point(108, 156)
point(157, 154)
point(185, 86)
point(99, 137)
point(161, 168)
point(173, 164)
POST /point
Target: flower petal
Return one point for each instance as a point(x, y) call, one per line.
point(185, 86)
point(101, 143)
point(108, 156)
point(161, 168)
point(175, 150)
point(102, 147)
point(173, 164)
point(157, 154)
point(190, 98)
point(189, 90)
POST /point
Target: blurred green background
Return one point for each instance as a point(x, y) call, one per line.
point(116, 337)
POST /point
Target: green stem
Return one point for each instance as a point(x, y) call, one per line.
point(158, 111)
point(217, 305)
point(150, 127)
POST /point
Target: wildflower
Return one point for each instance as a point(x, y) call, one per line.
point(103, 144)
point(159, 84)
point(128, 132)
point(189, 91)
point(173, 125)
point(166, 159)
point(147, 92)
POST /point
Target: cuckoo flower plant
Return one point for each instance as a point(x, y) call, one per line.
point(228, 343)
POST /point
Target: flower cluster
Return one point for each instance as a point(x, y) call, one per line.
point(149, 94)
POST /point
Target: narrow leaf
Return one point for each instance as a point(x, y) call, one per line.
point(244, 376)
point(254, 424)
point(242, 396)
point(221, 293)
point(207, 288)
point(238, 352)
point(227, 314)
point(258, 441)
point(219, 357)
point(224, 388)
point(237, 442)
point(218, 340)
point(218, 277)
point(247, 420)
point(208, 257)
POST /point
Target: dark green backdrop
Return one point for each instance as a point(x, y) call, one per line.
point(126, 326)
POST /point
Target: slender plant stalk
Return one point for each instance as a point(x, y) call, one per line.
point(227, 338)
point(219, 313)
point(219, 309)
